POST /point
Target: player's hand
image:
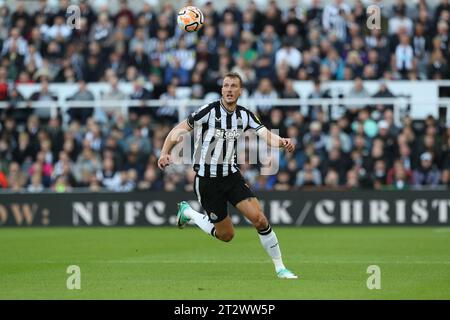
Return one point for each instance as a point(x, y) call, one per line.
point(164, 161)
point(287, 144)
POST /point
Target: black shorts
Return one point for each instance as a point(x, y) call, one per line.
point(214, 193)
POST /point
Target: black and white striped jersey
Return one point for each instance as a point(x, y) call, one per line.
point(216, 133)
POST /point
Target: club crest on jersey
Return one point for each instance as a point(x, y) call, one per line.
point(227, 134)
point(213, 216)
point(239, 121)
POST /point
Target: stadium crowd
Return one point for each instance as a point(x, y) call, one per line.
point(270, 48)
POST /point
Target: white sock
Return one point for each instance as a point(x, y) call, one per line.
point(269, 241)
point(201, 220)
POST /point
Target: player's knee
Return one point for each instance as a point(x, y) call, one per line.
point(260, 222)
point(226, 237)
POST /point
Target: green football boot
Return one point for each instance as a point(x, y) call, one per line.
point(182, 219)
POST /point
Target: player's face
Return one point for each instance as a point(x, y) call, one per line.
point(231, 90)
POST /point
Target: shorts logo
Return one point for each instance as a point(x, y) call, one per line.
point(213, 216)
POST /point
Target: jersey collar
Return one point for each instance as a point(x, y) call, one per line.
point(226, 110)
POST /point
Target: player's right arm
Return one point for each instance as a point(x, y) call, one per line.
point(195, 118)
point(171, 140)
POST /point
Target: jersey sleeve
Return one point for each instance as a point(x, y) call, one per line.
point(199, 116)
point(253, 122)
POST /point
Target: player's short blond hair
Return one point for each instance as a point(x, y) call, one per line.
point(234, 75)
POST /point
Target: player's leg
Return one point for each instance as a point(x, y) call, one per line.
point(186, 214)
point(222, 230)
point(245, 201)
point(210, 195)
point(251, 209)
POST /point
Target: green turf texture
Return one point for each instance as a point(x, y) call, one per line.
point(167, 263)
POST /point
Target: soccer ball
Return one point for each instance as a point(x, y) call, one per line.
point(190, 19)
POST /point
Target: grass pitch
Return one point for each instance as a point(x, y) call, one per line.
point(166, 263)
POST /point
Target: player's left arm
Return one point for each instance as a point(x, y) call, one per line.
point(271, 138)
point(275, 140)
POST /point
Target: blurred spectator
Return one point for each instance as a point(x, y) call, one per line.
point(36, 183)
point(44, 95)
point(140, 93)
point(334, 18)
point(383, 92)
point(263, 183)
point(337, 138)
point(314, 13)
point(332, 179)
point(405, 156)
point(437, 67)
point(87, 164)
point(308, 176)
point(335, 63)
point(108, 176)
point(137, 142)
point(129, 180)
point(352, 179)
point(426, 174)
point(168, 109)
point(83, 94)
point(93, 69)
point(141, 60)
point(265, 65)
point(282, 183)
point(309, 66)
point(59, 31)
point(268, 35)
point(61, 185)
point(102, 30)
point(16, 177)
point(315, 136)
point(150, 182)
point(3, 180)
point(15, 42)
point(288, 55)
point(317, 93)
point(114, 94)
point(244, 69)
point(265, 91)
point(404, 57)
point(175, 69)
point(399, 177)
point(400, 21)
point(357, 92)
point(3, 84)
